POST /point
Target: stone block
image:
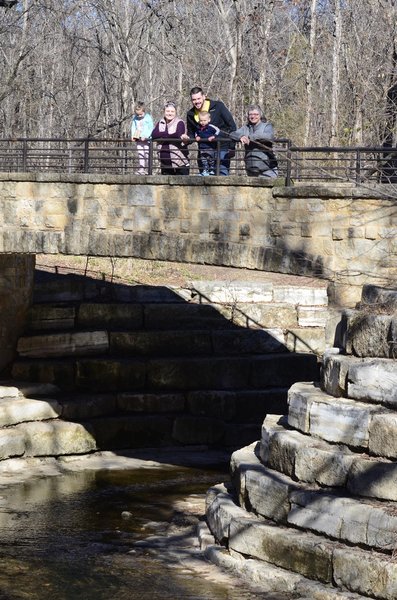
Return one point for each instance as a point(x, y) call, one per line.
point(87, 406)
point(334, 373)
point(109, 375)
point(60, 373)
point(382, 528)
point(376, 297)
point(76, 343)
point(12, 443)
point(368, 573)
point(240, 462)
point(127, 431)
point(313, 512)
point(373, 379)
point(300, 398)
point(221, 512)
point(167, 343)
point(283, 370)
point(110, 316)
point(268, 492)
point(13, 411)
point(150, 403)
point(342, 518)
point(190, 430)
point(232, 292)
point(178, 316)
point(342, 422)
point(283, 447)
point(8, 391)
point(369, 335)
point(45, 317)
point(245, 341)
point(383, 434)
point(305, 339)
point(55, 438)
point(263, 316)
point(324, 464)
point(302, 553)
point(199, 373)
point(300, 296)
point(373, 478)
point(312, 316)
point(306, 458)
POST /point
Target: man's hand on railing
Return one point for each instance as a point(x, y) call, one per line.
point(245, 140)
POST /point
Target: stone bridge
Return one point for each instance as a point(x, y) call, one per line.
point(343, 233)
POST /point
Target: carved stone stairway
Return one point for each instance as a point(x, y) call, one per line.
point(128, 366)
point(313, 507)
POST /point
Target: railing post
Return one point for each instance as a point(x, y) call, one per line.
point(289, 165)
point(24, 156)
point(358, 166)
point(150, 165)
point(218, 158)
point(86, 155)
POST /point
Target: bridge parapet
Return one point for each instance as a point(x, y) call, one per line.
point(341, 232)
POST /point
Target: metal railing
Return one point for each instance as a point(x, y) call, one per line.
point(121, 156)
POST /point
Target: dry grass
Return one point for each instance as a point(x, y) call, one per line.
point(154, 272)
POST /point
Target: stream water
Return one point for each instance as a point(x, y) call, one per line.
point(122, 535)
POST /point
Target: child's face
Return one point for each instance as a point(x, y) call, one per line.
point(139, 112)
point(204, 120)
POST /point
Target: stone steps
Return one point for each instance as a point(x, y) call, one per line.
point(323, 479)
point(63, 341)
point(343, 420)
point(141, 365)
point(127, 420)
point(367, 379)
point(282, 499)
point(360, 571)
point(302, 322)
point(168, 374)
point(160, 343)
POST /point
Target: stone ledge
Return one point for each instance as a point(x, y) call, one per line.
point(368, 379)
point(302, 457)
point(142, 180)
point(76, 343)
point(281, 499)
point(270, 578)
point(318, 462)
point(374, 574)
point(341, 421)
point(346, 191)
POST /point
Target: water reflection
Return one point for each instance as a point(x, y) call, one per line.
point(105, 535)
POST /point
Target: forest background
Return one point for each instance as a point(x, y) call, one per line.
point(323, 70)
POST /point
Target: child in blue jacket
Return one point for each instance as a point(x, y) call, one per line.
point(141, 129)
point(205, 136)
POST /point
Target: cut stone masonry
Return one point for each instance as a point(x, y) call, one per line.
point(317, 494)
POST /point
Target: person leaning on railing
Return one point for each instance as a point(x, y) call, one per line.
point(257, 137)
point(220, 117)
point(173, 153)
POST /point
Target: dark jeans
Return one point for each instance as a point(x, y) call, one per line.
point(224, 162)
point(208, 160)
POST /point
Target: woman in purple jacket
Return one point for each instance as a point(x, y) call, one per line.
point(173, 154)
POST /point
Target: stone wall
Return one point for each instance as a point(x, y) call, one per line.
point(16, 286)
point(343, 233)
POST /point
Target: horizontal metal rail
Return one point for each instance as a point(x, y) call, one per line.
point(122, 156)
